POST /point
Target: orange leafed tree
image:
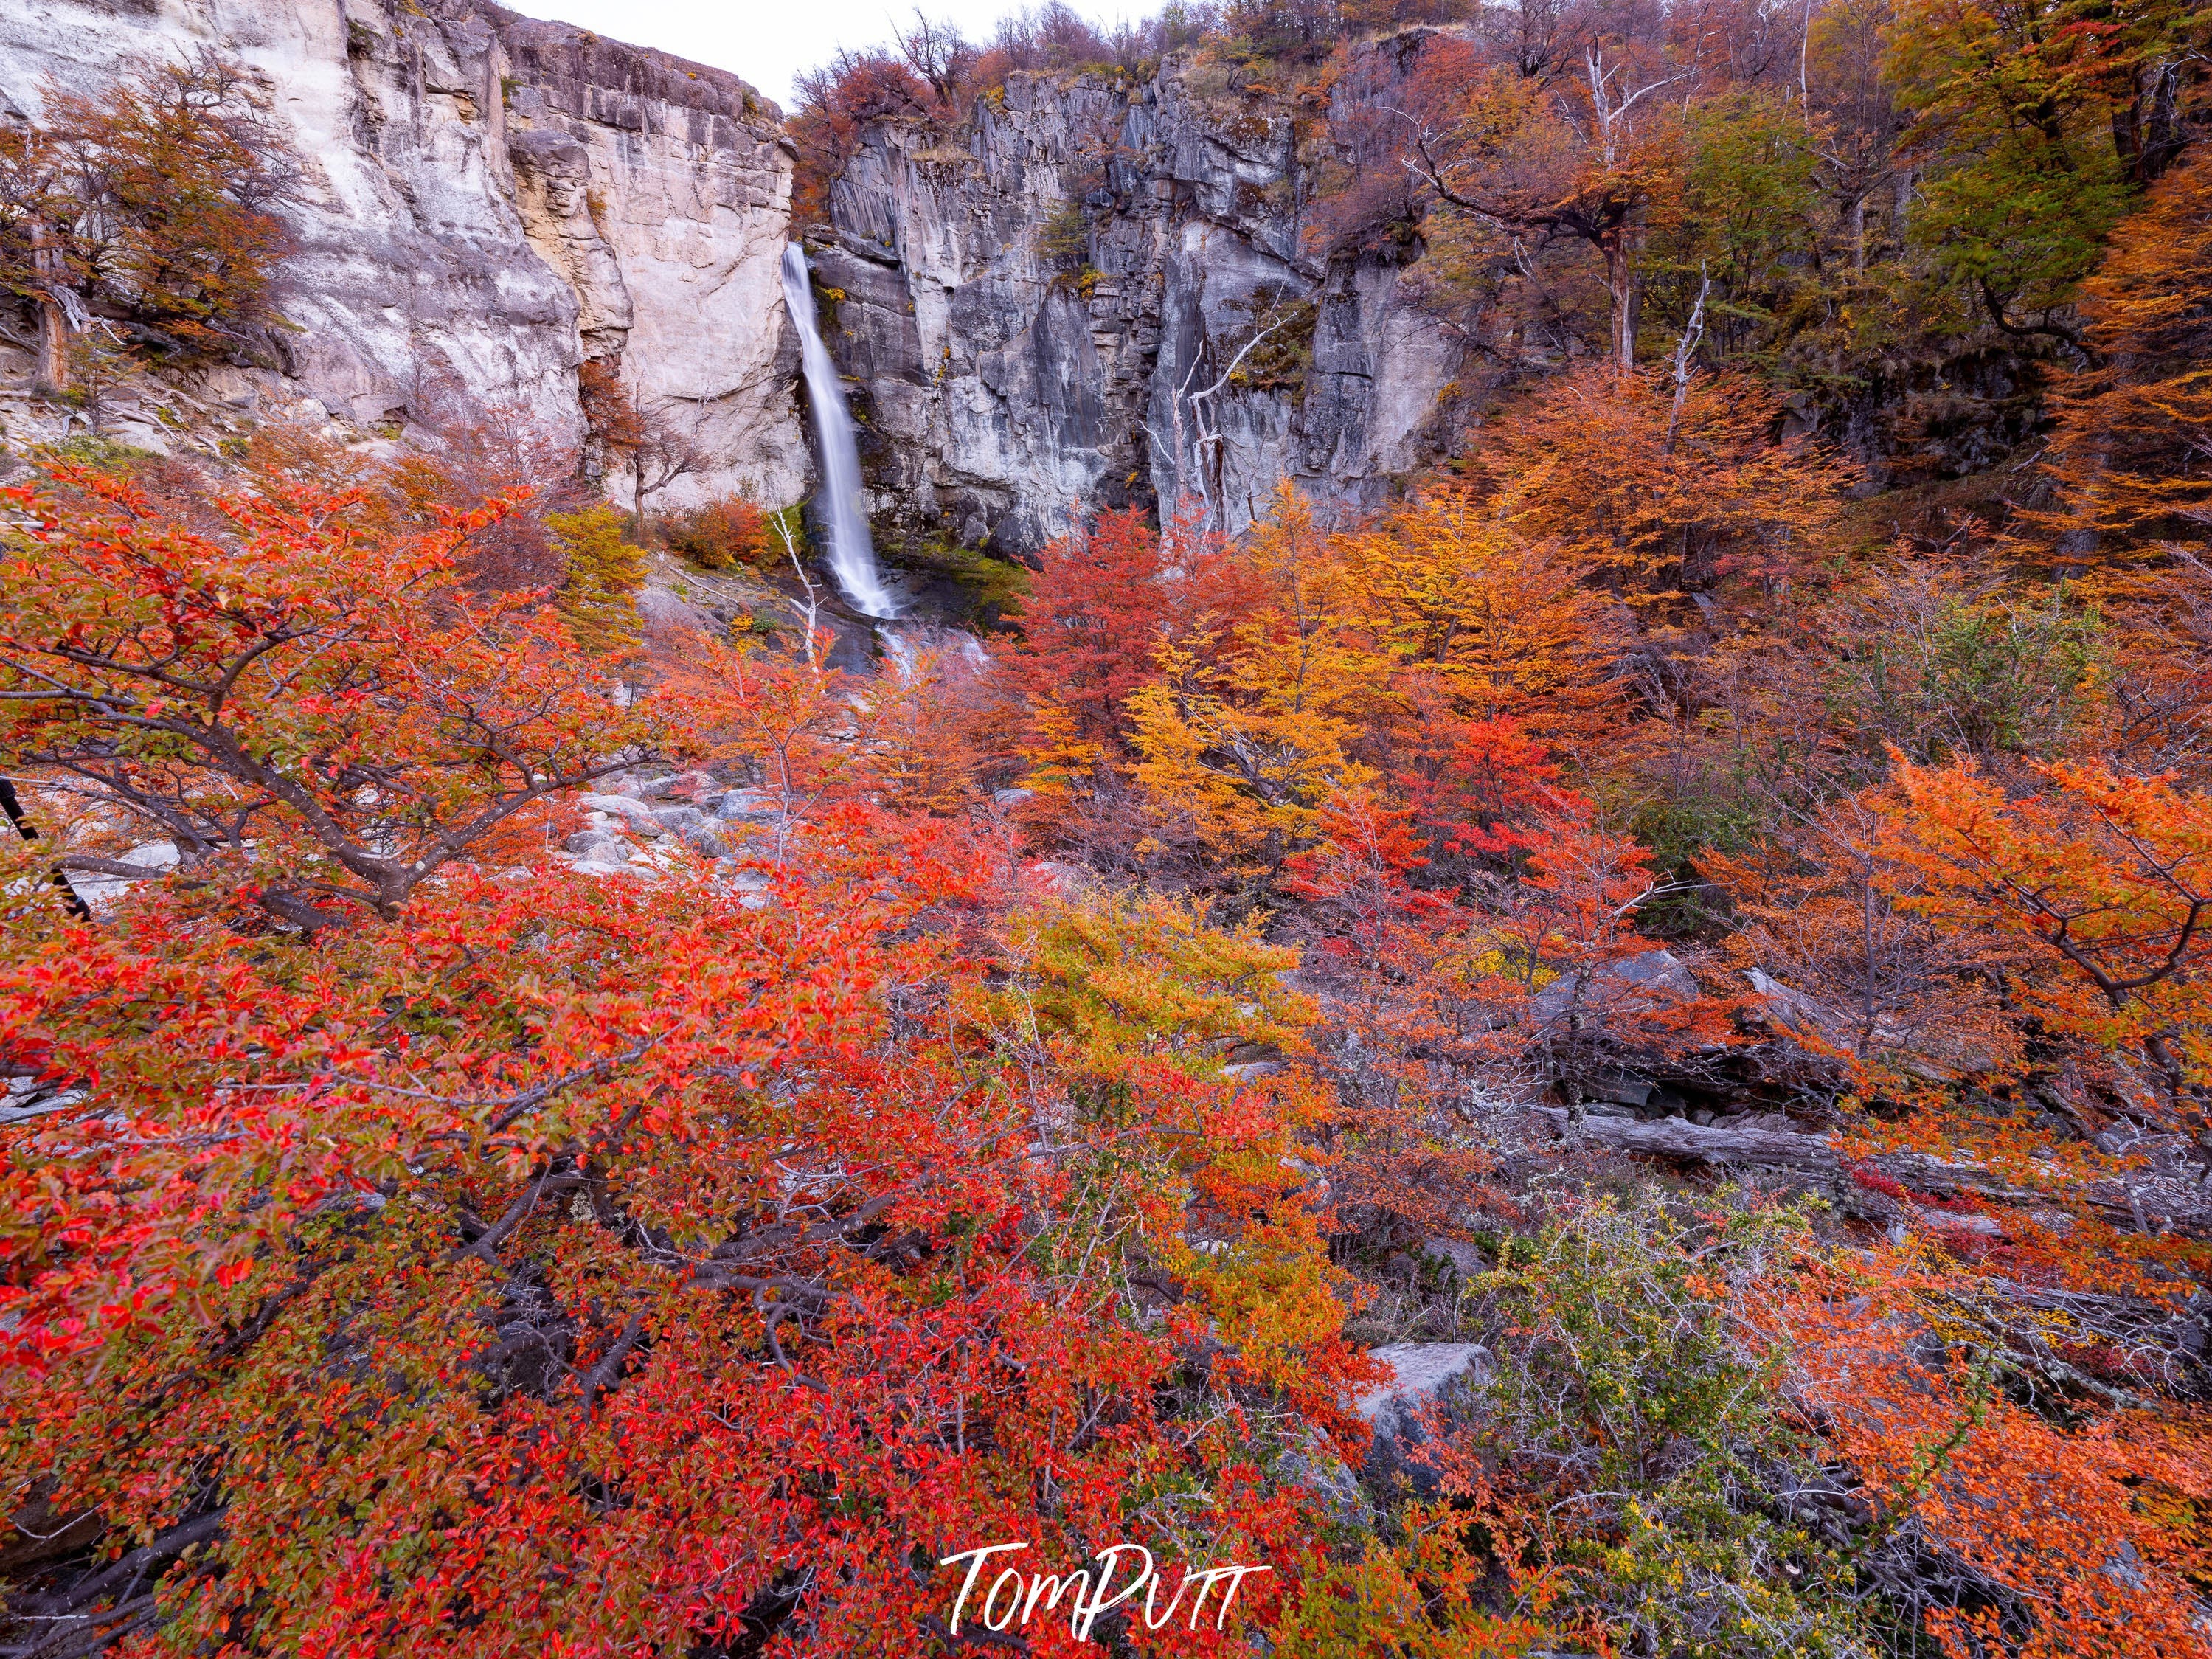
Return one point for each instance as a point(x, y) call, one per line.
point(1665, 487)
point(369, 720)
point(2056, 1534)
point(1450, 582)
point(150, 197)
point(2131, 461)
point(1255, 719)
point(1503, 157)
point(2108, 877)
point(1820, 910)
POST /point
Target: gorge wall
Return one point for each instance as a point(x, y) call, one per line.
point(1041, 312)
point(487, 202)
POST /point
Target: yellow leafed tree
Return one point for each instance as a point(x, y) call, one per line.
point(598, 598)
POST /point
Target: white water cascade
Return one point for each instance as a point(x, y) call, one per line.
point(852, 555)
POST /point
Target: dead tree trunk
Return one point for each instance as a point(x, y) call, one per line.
point(50, 270)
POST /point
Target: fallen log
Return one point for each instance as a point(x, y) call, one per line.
point(2153, 1204)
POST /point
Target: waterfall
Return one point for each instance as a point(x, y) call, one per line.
point(852, 556)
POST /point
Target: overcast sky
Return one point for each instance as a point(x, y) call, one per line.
point(769, 41)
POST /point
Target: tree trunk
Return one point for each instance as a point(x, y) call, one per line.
point(51, 271)
point(1620, 282)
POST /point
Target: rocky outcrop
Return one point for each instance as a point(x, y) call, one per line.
point(488, 201)
point(1421, 1373)
point(1097, 292)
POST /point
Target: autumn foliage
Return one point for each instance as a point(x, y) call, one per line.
point(149, 200)
point(1708, 953)
point(857, 1205)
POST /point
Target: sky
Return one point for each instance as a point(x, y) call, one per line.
point(769, 42)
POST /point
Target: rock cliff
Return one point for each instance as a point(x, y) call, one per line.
point(1096, 291)
point(488, 201)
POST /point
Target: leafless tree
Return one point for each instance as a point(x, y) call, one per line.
point(935, 50)
point(659, 442)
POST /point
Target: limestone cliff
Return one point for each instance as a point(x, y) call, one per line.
point(488, 201)
point(1042, 310)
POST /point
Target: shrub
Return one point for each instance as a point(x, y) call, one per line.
point(727, 531)
point(1633, 1458)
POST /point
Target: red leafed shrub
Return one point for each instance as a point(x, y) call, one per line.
point(417, 1253)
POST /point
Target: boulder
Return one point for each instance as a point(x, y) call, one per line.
point(1420, 1372)
point(747, 806)
point(1314, 1464)
point(628, 808)
point(1465, 1260)
point(598, 846)
point(1783, 1008)
point(1648, 977)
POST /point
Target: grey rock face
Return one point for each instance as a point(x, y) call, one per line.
point(1420, 1372)
point(1042, 310)
point(488, 201)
